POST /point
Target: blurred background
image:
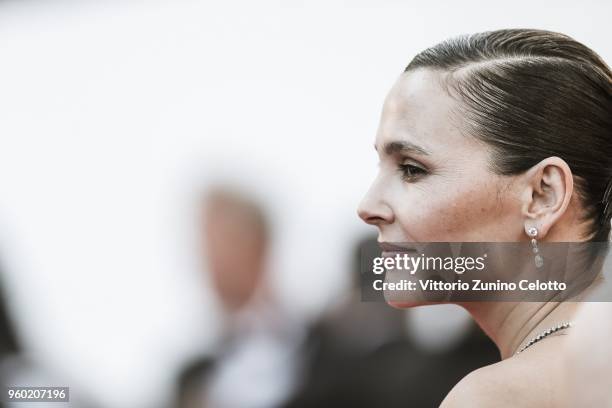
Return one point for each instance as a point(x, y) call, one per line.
point(178, 191)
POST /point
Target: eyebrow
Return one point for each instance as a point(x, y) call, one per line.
point(402, 147)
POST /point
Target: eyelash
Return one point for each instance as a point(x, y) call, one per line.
point(410, 171)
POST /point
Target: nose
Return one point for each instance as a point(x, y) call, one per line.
point(374, 211)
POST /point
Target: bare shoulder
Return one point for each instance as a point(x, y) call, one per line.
point(515, 382)
point(484, 387)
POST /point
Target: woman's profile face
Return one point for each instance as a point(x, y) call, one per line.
point(434, 183)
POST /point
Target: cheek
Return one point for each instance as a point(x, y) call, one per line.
point(458, 212)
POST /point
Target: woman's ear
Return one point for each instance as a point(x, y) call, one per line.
point(548, 191)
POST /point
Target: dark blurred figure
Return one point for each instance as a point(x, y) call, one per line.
point(352, 329)
point(8, 338)
point(256, 362)
point(17, 368)
point(8, 342)
point(360, 356)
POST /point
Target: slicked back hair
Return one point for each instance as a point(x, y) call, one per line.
point(533, 94)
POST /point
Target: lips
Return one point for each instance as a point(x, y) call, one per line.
point(396, 247)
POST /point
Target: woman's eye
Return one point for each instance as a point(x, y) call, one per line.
point(409, 171)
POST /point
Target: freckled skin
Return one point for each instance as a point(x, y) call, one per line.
point(460, 198)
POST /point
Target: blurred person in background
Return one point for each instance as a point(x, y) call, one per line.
point(266, 359)
point(9, 347)
point(256, 361)
point(19, 369)
point(364, 353)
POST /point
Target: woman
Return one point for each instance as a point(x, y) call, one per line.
point(502, 136)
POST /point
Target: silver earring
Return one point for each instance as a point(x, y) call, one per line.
point(533, 233)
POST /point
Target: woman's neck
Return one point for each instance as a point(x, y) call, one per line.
point(512, 324)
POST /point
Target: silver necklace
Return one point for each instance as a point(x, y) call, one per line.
point(544, 334)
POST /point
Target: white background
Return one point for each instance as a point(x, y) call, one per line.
point(113, 115)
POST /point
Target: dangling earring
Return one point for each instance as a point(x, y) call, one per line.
point(533, 233)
